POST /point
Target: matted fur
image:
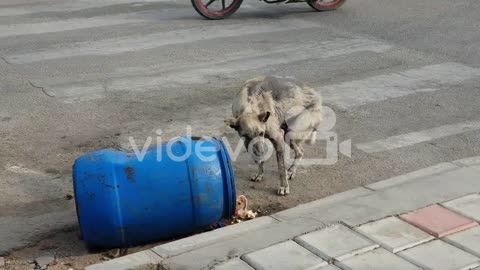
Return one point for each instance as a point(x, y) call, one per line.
point(282, 110)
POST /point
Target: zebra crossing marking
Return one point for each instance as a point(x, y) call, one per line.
point(67, 6)
point(150, 41)
point(148, 78)
point(382, 87)
point(65, 25)
point(417, 137)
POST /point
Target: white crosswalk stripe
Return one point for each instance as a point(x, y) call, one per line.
point(67, 6)
point(124, 81)
point(155, 40)
point(382, 87)
point(67, 25)
point(197, 75)
point(416, 137)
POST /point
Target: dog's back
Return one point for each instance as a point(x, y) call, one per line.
point(291, 102)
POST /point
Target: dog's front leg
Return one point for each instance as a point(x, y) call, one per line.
point(279, 145)
point(259, 175)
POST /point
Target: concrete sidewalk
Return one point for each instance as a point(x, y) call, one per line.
point(426, 219)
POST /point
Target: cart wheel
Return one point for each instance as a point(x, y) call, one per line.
point(325, 5)
point(216, 9)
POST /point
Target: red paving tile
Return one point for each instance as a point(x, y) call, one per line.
point(438, 221)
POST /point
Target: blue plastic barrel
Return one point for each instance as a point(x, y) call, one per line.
point(178, 188)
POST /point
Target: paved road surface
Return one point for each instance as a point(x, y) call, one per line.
point(402, 77)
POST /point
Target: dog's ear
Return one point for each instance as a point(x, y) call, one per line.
point(233, 123)
point(263, 117)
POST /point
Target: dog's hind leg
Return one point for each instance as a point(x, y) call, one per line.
point(298, 149)
point(259, 175)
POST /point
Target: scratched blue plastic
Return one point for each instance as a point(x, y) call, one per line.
point(122, 201)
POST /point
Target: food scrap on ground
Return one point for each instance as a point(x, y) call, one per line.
point(241, 211)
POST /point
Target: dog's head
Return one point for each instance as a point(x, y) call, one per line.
point(251, 127)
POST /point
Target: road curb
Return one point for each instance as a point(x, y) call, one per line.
point(203, 239)
point(146, 259)
point(408, 177)
point(293, 213)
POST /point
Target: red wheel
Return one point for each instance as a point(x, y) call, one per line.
point(325, 5)
point(216, 9)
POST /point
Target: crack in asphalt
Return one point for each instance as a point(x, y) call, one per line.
point(5, 60)
point(41, 88)
point(34, 86)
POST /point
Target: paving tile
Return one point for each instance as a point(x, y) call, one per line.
point(337, 242)
point(394, 234)
point(400, 199)
point(254, 240)
point(373, 205)
point(378, 259)
point(468, 240)
point(438, 220)
point(234, 264)
point(284, 256)
point(468, 206)
point(438, 255)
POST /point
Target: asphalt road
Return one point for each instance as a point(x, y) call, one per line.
point(402, 78)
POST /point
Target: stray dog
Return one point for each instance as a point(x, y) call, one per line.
point(281, 110)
